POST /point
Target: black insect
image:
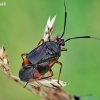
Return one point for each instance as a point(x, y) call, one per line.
point(41, 59)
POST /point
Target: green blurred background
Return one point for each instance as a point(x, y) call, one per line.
point(21, 27)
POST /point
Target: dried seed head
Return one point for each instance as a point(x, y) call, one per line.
point(3, 56)
point(48, 82)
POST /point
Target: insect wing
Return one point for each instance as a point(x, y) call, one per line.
point(52, 51)
point(53, 46)
point(37, 54)
point(40, 53)
point(26, 73)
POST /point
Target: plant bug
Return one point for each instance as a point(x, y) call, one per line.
point(41, 59)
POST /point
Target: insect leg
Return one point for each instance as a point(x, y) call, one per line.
point(63, 49)
point(60, 69)
point(51, 74)
point(24, 54)
point(25, 85)
point(42, 40)
point(27, 82)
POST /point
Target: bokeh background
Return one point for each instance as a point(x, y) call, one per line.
point(21, 27)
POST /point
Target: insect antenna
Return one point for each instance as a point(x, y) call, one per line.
point(81, 37)
point(64, 20)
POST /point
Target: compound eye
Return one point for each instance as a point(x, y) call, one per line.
point(36, 75)
point(26, 62)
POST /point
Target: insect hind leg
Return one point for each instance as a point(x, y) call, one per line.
point(51, 74)
point(60, 70)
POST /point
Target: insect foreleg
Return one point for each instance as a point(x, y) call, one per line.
point(51, 74)
point(63, 49)
point(42, 40)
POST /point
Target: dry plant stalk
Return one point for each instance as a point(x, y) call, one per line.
point(47, 89)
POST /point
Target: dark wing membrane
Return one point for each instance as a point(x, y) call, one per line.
point(53, 47)
point(26, 73)
point(43, 67)
point(37, 54)
point(53, 51)
point(41, 52)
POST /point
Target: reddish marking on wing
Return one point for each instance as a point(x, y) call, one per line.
point(37, 74)
point(26, 62)
point(39, 48)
